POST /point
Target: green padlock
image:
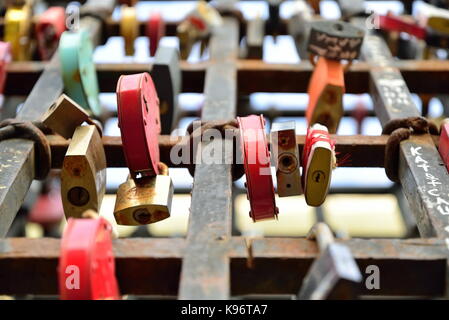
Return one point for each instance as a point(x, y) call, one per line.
point(78, 69)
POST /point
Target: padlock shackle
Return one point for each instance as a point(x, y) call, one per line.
point(323, 235)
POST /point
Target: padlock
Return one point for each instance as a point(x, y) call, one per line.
point(274, 19)
point(299, 26)
point(5, 59)
point(334, 274)
point(83, 173)
point(318, 162)
point(326, 89)
point(256, 162)
point(443, 147)
point(167, 76)
point(435, 18)
point(315, 5)
point(197, 27)
point(285, 153)
point(86, 269)
point(336, 40)
point(352, 8)
point(391, 22)
point(144, 200)
point(255, 32)
point(17, 31)
point(155, 30)
point(49, 28)
point(129, 28)
point(78, 69)
point(65, 115)
point(139, 122)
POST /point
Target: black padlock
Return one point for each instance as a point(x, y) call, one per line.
point(336, 40)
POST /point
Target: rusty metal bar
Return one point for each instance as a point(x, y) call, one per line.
point(425, 180)
point(413, 267)
point(17, 156)
point(428, 76)
point(364, 151)
point(205, 268)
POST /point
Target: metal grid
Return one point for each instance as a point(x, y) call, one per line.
point(210, 263)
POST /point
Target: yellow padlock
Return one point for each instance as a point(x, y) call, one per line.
point(17, 31)
point(129, 28)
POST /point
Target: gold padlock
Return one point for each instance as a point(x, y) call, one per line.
point(129, 28)
point(144, 200)
point(17, 31)
point(83, 174)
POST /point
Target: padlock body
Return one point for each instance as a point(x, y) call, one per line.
point(139, 122)
point(129, 28)
point(17, 31)
point(64, 116)
point(83, 174)
point(333, 275)
point(326, 89)
point(144, 201)
point(285, 153)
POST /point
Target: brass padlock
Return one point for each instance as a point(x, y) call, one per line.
point(83, 174)
point(17, 31)
point(144, 200)
point(65, 115)
point(129, 28)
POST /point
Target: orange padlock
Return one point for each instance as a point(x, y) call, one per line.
point(326, 89)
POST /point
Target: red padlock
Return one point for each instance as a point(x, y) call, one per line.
point(5, 58)
point(256, 161)
point(155, 31)
point(443, 147)
point(86, 265)
point(49, 28)
point(390, 22)
point(139, 122)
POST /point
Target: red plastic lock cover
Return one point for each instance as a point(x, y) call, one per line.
point(256, 161)
point(139, 122)
point(86, 253)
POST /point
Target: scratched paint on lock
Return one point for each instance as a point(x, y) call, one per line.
point(78, 69)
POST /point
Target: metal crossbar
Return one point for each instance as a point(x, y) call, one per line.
point(210, 263)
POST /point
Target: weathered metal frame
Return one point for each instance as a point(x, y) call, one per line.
point(210, 263)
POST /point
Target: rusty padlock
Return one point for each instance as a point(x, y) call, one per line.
point(326, 89)
point(83, 173)
point(144, 200)
point(65, 115)
point(285, 153)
